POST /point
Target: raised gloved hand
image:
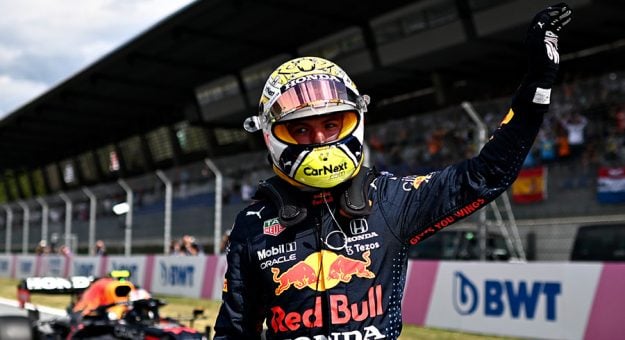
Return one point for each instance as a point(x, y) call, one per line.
point(542, 46)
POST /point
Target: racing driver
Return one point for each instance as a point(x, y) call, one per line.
point(321, 254)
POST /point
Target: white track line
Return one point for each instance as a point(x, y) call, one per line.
point(42, 309)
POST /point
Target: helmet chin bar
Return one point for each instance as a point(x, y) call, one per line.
point(319, 166)
point(307, 187)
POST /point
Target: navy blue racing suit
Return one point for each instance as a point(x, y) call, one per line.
point(311, 281)
point(331, 276)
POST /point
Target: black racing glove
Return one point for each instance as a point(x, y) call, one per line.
point(541, 44)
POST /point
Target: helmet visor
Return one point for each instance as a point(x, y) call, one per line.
point(348, 123)
point(312, 93)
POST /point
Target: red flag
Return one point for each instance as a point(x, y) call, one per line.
point(530, 186)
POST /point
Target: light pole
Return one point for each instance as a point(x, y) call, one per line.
point(9, 231)
point(218, 201)
point(25, 226)
point(128, 228)
point(92, 215)
point(168, 201)
point(68, 219)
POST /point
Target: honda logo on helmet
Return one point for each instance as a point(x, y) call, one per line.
point(307, 78)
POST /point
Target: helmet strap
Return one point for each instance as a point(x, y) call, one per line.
point(282, 197)
point(354, 202)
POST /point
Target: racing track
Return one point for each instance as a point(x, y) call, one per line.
point(10, 307)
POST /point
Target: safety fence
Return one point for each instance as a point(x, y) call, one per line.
point(547, 300)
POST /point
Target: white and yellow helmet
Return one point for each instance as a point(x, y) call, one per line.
point(306, 87)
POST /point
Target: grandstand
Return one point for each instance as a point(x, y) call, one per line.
point(177, 95)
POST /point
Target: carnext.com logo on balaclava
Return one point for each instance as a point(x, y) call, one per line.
point(516, 298)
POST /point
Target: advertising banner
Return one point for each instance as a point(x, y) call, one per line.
point(555, 300)
point(608, 308)
point(86, 266)
point(25, 266)
point(178, 275)
point(136, 265)
point(214, 276)
point(52, 265)
point(537, 300)
point(6, 262)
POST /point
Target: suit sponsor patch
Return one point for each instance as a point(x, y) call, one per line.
point(272, 227)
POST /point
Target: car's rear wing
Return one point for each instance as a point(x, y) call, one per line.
point(56, 285)
point(51, 285)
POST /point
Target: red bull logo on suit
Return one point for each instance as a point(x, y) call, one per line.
point(342, 311)
point(322, 270)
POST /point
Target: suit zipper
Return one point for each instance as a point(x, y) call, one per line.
point(325, 301)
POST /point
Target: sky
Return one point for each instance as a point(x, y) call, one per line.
point(44, 42)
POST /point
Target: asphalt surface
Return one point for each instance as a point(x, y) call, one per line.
point(10, 307)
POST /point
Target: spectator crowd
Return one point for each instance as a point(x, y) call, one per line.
point(186, 246)
point(585, 128)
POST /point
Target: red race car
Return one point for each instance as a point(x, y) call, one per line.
point(106, 308)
